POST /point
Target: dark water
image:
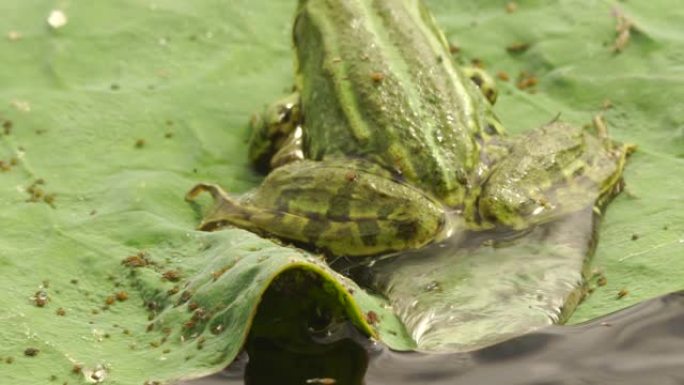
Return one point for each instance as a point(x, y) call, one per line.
point(643, 344)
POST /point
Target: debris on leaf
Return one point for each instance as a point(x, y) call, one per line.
point(57, 19)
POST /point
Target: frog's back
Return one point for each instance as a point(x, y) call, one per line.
point(377, 82)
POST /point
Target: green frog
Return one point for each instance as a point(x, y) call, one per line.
point(386, 145)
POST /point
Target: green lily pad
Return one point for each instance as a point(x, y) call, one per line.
point(109, 119)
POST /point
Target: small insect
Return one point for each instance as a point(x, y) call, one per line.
point(602, 281)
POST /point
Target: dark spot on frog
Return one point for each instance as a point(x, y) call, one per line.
point(31, 352)
point(406, 229)
point(314, 228)
point(490, 129)
point(368, 230)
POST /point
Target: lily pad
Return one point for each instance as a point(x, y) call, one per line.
point(111, 115)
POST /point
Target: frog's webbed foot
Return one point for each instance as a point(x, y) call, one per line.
point(276, 133)
point(341, 206)
point(550, 172)
point(483, 81)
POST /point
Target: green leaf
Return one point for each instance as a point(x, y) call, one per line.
point(120, 111)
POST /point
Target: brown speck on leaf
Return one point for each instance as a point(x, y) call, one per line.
point(61, 312)
point(502, 75)
point(114, 87)
point(74, 281)
point(41, 298)
point(77, 369)
point(171, 275)
point(13, 161)
point(110, 300)
point(635, 236)
point(602, 281)
point(526, 81)
point(511, 6)
point(4, 167)
point(477, 63)
point(95, 312)
point(518, 47)
point(50, 199)
point(121, 296)
point(218, 273)
point(137, 260)
point(31, 352)
point(377, 77)
point(351, 176)
point(622, 293)
point(454, 49)
point(7, 127)
point(9, 360)
point(173, 291)
point(140, 143)
point(168, 135)
point(372, 317)
point(93, 212)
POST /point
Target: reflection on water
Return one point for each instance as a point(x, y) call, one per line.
point(640, 345)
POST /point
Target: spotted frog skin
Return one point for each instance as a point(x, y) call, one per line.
point(385, 141)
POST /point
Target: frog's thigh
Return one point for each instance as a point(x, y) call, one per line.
point(272, 129)
point(550, 172)
point(336, 207)
point(483, 81)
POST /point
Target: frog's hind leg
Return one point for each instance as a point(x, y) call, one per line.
point(551, 172)
point(276, 133)
point(341, 207)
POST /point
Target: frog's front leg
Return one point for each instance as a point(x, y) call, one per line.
point(343, 207)
point(276, 134)
point(552, 171)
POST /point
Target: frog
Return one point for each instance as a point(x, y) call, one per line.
point(386, 144)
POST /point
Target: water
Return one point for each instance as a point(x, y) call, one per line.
point(477, 289)
point(643, 344)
